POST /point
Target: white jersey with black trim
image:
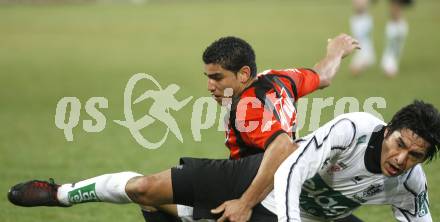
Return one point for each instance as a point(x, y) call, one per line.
point(335, 170)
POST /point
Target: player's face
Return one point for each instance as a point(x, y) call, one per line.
point(220, 79)
point(402, 150)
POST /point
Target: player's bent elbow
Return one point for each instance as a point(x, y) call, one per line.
point(292, 147)
point(324, 82)
point(287, 145)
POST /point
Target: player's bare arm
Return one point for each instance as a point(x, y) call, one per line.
point(337, 48)
point(241, 209)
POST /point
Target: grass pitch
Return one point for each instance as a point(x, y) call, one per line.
point(86, 50)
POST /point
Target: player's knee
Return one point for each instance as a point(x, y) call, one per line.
point(143, 190)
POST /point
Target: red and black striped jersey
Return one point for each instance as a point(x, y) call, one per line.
point(266, 109)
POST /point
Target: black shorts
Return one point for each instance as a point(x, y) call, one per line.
point(205, 184)
point(403, 2)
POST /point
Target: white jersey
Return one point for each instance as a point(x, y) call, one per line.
point(337, 168)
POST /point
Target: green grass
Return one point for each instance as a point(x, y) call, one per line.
point(51, 51)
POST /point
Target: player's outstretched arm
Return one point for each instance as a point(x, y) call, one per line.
point(337, 48)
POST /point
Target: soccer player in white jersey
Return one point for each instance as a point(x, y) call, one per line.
point(353, 160)
point(357, 159)
point(396, 30)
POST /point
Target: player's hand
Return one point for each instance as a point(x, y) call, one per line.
point(342, 45)
point(233, 211)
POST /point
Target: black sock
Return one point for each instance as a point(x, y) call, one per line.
point(158, 216)
point(350, 218)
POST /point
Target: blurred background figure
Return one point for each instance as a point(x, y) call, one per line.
point(396, 31)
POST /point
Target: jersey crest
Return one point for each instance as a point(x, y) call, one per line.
point(320, 200)
point(422, 204)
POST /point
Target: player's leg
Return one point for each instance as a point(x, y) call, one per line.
point(211, 182)
point(124, 187)
point(361, 24)
point(395, 34)
point(194, 180)
point(202, 183)
point(151, 190)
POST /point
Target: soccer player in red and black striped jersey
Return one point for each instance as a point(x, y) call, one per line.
point(263, 115)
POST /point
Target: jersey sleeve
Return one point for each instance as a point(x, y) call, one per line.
point(327, 141)
point(306, 80)
point(412, 204)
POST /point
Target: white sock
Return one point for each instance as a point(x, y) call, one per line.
point(106, 188)
point(395, 35)
point(361, 28)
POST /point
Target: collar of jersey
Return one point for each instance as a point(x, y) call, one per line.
point(374, 149)
point(236, 99)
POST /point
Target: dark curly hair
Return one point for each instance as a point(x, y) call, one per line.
point(231, 53)
point(421, 118)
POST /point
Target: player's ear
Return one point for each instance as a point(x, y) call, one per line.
point(244, 74)
point(386, 132)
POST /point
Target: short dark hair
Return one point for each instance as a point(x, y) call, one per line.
point(231, 53)
point(421, 118)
